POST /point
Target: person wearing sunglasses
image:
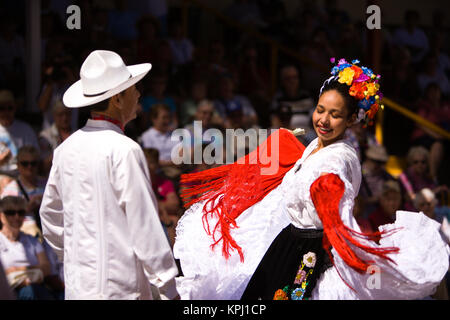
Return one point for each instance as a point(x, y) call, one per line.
point(23, 257)
point(28, 185)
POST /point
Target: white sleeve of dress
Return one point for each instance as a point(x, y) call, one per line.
point(342, 161)
point(149, 241)
point(52, 213)
point(414, 272)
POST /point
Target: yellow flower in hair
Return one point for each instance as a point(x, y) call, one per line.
point(346, 76)
point(372, 88)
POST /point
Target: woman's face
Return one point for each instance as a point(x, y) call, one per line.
point(391, 202)
point(162, 121)
point(427, 206)
point(331, 118)
point(28, 166)
point(419, 164)
point(13, 219)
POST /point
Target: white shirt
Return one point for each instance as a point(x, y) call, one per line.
point(339, 158)
point(21, 253)
point(153, 138)
point(99, 215)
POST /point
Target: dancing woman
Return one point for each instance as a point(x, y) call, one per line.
point(291, 234)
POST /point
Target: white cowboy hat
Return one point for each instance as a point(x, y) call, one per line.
point(103, 75)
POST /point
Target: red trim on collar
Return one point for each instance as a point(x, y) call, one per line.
point(109, 119)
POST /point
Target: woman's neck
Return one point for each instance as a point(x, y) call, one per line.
point(30, 182)
point(11, 234)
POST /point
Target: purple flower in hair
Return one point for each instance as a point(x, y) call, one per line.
point(380, 95)
point(342, 61)
point(333, 60)
point(362, 77)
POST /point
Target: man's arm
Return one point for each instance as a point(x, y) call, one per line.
point(149, 241)
point(52, 215)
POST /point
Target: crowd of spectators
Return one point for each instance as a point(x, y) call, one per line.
point(224, 82)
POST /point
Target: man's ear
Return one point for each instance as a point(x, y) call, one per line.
point(116, 101)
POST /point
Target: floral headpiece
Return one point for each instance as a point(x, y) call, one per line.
point(364, 87)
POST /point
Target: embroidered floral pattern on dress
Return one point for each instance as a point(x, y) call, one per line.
point(280, 295)
point(298, 294)
point(309, 259)
point(298, 289)
point(301, 275)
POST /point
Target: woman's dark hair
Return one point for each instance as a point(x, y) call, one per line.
point(151, 153)
point(343, 89)
point(156, 108)
point(28, 150)
point(12, 203)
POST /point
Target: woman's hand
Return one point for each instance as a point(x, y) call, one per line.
point(5, 156)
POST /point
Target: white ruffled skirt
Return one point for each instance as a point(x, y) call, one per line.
point(415, 272)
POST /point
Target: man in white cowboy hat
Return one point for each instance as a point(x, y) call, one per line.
point(99, 211)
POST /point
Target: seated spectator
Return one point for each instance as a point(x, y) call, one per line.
point(253, 75)
point(30, 186)
point(157, 95)
point(374, 175)
point(281, 117)
point(412, 37)
point(159, 137)
point(53, 136)
point(218, 64)
point(434, 109)
point(227, 99)
point(168, 201)
point(14, 134)
point(57, 78)
point(425, 201)
point(361, 139)
point(417, 175)
point(389, 202)
point(203, 113)
point(358, 213)
point(198, 93)
point(23, 257)
point(291, 94)
point(182, 47)
point(244, 138)
point(431, 73)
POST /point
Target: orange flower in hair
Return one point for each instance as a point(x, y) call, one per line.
point(357, 90)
